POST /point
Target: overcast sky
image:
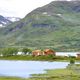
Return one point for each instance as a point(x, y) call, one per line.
point(19, 8)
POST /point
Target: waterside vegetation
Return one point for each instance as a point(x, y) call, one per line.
point(27, 54)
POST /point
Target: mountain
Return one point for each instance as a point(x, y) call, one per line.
point(4, 22)
point(55, 25)
point(13, 19)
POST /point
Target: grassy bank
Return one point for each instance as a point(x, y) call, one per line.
point(59, 74)
point(38, 58)
point(10, 78)
point(72, 72)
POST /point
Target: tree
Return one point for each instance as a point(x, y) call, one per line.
point(14, 51)
point(25, 50)
point(9, 51)
point(72, 61)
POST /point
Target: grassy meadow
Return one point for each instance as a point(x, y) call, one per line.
point(10, 78)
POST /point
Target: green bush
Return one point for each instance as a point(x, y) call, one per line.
point(72, 61)
point(25, 50)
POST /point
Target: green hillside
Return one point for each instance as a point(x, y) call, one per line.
point(56, 26)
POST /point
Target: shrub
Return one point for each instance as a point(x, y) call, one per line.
point(72, 61)
point(25, 50)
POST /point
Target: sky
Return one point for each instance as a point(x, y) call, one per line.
point(20, 8)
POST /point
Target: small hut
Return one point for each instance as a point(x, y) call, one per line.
point(48, 52)
point(37, 53)
point(78, 55)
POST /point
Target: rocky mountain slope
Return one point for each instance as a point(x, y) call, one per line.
point(4, 22)
point(56, 25)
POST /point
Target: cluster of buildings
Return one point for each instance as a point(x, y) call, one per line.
point(44, 52)
point(39, 52)
point(52, 52)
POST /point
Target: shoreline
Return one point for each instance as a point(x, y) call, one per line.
point(39, 58)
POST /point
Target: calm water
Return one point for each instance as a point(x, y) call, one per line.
point(25, 68)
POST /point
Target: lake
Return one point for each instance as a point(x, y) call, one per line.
point(25, 68)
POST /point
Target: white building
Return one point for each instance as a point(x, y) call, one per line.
point(1, 55)
point(66, 54)
point(20, 53)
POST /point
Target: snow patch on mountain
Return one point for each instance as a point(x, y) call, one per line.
point(13, 19)
point(4, 21)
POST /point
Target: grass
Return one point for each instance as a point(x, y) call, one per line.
point(10, 78)
point(38, 58)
